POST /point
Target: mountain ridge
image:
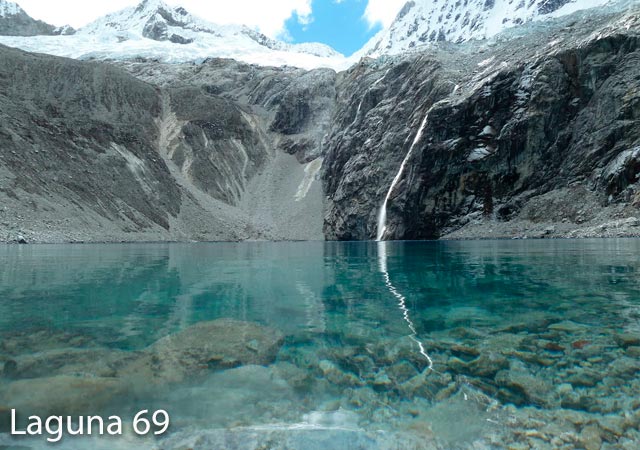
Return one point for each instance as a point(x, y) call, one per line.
point(423, 22)
point(155, 30)
point(14, 21)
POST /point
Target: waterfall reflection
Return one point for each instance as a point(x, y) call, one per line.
point(402, 300)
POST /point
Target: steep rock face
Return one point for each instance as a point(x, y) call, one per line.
point(219, 150)
point(85, 133)
point(569, 119)
point(89, 152)
point(523, 128)
point(374, 132)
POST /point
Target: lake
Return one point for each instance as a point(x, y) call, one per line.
point(479, 344)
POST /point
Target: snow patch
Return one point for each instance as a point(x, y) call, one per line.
point(311, 171)
point(9, 9)
point(428, 21)
point(478, 154)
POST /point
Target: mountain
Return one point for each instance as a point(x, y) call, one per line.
point(14, 21)
point(421, 22)
point(537, 135)
point(155, 30)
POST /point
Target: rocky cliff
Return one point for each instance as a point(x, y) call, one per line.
point(533, 133)
point(89, 152)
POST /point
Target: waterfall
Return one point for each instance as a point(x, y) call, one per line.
point(382, 214)
point(375, 83)
point(402, 301)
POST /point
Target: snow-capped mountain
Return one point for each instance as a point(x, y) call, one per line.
point(14, 21)
point(155, 30)
point(421, 22)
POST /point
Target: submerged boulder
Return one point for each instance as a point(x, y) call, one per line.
point(99, 362)
point(62, 395)
point(205, 347)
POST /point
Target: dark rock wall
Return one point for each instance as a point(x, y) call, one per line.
point(504, 127)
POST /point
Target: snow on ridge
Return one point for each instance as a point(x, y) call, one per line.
point(9, 8)
point(421, 22)
point(154, 30)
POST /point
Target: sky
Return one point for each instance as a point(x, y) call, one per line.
point(346, 25)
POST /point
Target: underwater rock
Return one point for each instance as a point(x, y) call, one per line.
point(38, 340)
point(590, 438)
point(307, 438)
point(487, 365)
point(202, 348)
point(567, 326)
point(382, 382)
point(300, 380)
point(525, 387)
point(335, 375)
point(427, 384)
point(633, 352)
point(63, 395)
point(5, 419)
point(100, 362)
point(10, 369)
point(236, 397)
point(401, 372)
point(585, 378)
point(628, 340)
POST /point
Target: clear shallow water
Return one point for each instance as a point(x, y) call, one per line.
point(386, 345)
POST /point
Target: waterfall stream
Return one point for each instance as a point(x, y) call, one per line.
point(382, 215)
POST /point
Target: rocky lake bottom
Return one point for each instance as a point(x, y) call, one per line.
point(391, 345)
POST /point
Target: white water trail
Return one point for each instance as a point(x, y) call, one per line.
point(382, 215)
point(375, 83)
point(402, 300)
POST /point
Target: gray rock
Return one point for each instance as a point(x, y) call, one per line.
point(203, 348)
point(100, 362)
point(63, 395)
point(542, 127)
point(487, 365)
point(626, 340)
point(5, 419)
point(633, 352)
point(10, 369)
point(525, 388)
point(585, 378)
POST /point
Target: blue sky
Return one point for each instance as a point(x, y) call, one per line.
point(340, 24)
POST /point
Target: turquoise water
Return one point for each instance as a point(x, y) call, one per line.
point(384, 345)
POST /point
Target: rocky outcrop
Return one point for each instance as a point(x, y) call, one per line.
point(89, 152)
point(203, 348)
point(80, 138)
point(523, 128)
point(87, 380)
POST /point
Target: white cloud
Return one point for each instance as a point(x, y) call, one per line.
point(267, 16)
point(383, 11)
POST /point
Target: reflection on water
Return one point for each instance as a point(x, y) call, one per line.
point(402, 300)
point(382, 345)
